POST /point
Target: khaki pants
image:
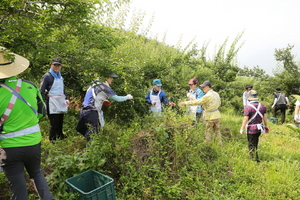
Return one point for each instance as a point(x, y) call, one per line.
point(213, 125)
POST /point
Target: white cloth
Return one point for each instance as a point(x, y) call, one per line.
point(57, 98)
point(156, 109)
point(192, 110)
point(129, 96)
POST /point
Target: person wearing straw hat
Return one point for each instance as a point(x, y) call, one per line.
point(21, 106)
point(255, 122)
point(52, 90)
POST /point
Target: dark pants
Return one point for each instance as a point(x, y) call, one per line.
point(253, 145)
point(88, 123)
point(282, 108)
point(56, 126)
point(29, 157)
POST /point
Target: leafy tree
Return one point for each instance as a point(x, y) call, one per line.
point(256, 71)
point(224, 63)
point(66, 29)
point(288, 74)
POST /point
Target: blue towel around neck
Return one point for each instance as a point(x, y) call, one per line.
point(55, 75)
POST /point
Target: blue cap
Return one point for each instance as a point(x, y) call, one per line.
point(156, 82)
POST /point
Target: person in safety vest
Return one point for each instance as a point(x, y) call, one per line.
point(53, 91)
point(91, 114)
point(21, 106)
point(281, 102)
point(255, 121)
point(210, 102)
point(156, 97)
point(194, 93)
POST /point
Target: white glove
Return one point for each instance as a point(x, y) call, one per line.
point(129, 96)
point(242, 131)
point(189, 95)
point(296, 118)
point(68, 103)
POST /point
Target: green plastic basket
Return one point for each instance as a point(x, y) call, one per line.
point(92, 185)
point(273, 120)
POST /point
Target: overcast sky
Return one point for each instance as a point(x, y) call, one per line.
point(267, 24)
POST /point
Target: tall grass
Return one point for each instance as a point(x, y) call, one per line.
point(169, 158)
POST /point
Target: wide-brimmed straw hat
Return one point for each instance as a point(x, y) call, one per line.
point(253, 95)
point(13, 67)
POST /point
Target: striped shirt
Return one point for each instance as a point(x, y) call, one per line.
point(250, 112)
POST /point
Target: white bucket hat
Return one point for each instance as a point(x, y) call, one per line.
point(9, 68)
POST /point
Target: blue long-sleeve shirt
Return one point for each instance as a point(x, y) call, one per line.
point(162, 97)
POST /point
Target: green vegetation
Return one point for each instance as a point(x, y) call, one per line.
point(149, 158)
point(168, 158)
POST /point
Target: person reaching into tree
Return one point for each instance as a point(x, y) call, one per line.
point(211, 102)
point(195, 93)
point(156, 98)
point(91, 114)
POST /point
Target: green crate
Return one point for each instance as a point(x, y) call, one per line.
point(92, 185)
point(273, 120)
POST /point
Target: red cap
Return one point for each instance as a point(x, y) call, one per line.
point(193, 81)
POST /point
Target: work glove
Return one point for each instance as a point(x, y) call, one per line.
point(153, 103)
point(190, 96)
point(68, 103)
point(129, 96)
point(242, 131)
point(106, 103)
point(296, 118)
point(267, 130)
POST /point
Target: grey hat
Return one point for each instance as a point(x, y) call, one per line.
point(206, 83)
point(114, 75)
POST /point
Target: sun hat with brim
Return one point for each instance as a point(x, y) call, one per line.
point(253, 96)
point(9, 68)
point(156, 82)
point(113, 75)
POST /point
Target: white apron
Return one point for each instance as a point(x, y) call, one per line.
point(192, 110)
point(156, 109)
point(98, 104)
point(57, 99)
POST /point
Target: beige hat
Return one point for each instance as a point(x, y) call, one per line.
point(10, 68)
point(253, 95)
